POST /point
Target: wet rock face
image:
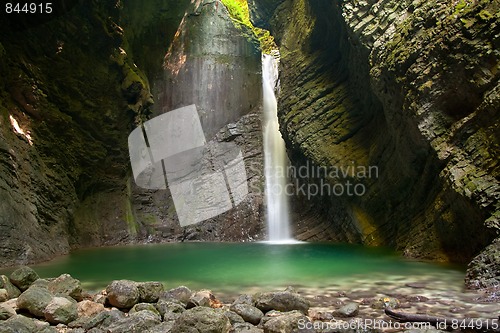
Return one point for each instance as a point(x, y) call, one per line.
point(262, 12)
point(216, 66)
point(409, 88)
point(74, 88)
point(213, 65)
point(64, 124)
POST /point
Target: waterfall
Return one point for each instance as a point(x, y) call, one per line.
point(275, 159)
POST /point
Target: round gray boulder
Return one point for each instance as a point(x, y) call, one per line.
point(149, 292)
point(137, 322)
point(23, 277)
point(182, 294)
point(348, 310)
point(34, 300)
point(202, 319)
point(283, 301)
point(144, 306)
point(65, 285)
point(249, 313)
point(287, 322)
point(61, 310)
point(123, 294)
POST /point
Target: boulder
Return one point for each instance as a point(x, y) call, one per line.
point(4, 295)
point(164, 327)
point(149, 292)
point(23, 277)
point(22, 324)
point(244, 299)
point(41, 283)
point(95, 330)
point(80, 330)
point(6, 311)
point(48, 329)
point(234, 318)
point(19, 324)
point(34, 300)
point(12, 291)
point(66, 285)
point(203, 298)
point(173, 306)
point(202, 320)
point(11, 303)
point(144, 306)
point(99, 298)
point(348, 310)
point(61, 310)
point(137, 322)
point(182, 294)
point(249, 313)
point(103, 320)
point(282, 301)
point(123, 294)
point(170, 316)
point(245, 328)
point(293, 321)
point(88, 308)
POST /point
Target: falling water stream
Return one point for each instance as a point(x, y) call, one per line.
point(275, 159)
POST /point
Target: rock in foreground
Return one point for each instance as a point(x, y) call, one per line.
point(282, 301)
point(123, 294)
point(202, 320)
point(23, 277)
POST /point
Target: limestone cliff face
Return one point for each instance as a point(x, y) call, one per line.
point(72, 89)
point(411, 88)
point(212, 65)
point(64, 123)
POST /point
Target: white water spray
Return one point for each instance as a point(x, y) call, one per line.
point(275, 159)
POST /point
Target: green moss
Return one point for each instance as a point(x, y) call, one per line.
point(131, 77)
point(238, 9)
point(485, 15)
point(129, 214)
point(426, 85)
point(148, 222)
point(239, 13)
point(468, 22)
point(460, 7)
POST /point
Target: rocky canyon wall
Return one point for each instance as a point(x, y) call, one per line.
point(215, 64)
point(64, 124)
point(74, 87)
point(411, 88)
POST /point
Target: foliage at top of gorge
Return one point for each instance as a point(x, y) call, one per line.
point(240, 14)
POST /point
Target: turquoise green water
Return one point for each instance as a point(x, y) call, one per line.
point(234, 267)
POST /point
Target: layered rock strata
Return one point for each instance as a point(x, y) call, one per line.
point(410, 88)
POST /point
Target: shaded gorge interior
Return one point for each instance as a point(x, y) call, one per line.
point(388, 110)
